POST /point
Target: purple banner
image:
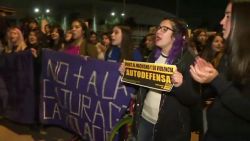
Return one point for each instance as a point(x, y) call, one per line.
point(17, 98)
point(83, 95)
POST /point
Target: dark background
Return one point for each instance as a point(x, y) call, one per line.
point(198, 13)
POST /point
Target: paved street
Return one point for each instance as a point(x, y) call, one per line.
point(10, 131)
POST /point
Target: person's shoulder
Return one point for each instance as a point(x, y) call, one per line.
point(186, 59)
point(189, 54)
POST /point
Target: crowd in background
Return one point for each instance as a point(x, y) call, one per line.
point(81, 40)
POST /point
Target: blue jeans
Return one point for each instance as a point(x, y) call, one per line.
point(145, 131)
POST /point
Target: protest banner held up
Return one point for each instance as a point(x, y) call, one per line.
point(83, 95)
point(17, 96)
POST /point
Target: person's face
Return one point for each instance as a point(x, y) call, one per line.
point(116, 36)
point(226, 21)
point(32, 38)
point(55, 34)
point(217, 44)
point(77, 31)
point(149, 42)
point(13, 36)
point(68, 36)
point(105, 40)
point(202, 38)
point(47, 29)
point(33, 25)
point(164, 35)
point(93, 39)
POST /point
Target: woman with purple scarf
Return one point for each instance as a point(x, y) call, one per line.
point(165, 116)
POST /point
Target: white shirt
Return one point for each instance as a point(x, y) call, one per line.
point(152, 101)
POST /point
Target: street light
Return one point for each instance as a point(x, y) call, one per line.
point(36, 10)
point(112, 14)
point(43, 15)
point(47, 11)
point(122, 14)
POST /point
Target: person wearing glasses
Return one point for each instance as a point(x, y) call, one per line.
point(162, 116)
point(228, 118)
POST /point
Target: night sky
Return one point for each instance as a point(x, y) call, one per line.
point(198, 13)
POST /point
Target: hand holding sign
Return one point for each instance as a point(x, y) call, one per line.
point(122, 68)
point(177, 79)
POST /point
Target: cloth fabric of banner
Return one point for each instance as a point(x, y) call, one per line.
point(83, 95)
point(17, 87)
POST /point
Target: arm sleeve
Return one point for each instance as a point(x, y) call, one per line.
point(234, 98)
point(188, 92)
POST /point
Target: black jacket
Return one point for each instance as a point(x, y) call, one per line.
point(229, 116)
point(174, 116)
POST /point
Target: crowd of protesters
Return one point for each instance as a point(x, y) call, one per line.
point(81, 40)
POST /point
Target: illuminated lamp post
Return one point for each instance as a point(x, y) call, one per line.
point(43, 16)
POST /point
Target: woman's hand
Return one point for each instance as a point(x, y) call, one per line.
point(122, 68)
point(203, 71)
point(84, 57)
point(34, 52)
point(177, 79)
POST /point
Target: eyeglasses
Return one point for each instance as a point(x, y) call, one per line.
point(164, 29)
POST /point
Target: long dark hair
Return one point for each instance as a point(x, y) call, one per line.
point(57, 45)
point(238, 43)
point(39, 36)
point(198, 45)
point(126, 44)
point(209, 54)
point(180, 34)
point(84, 27)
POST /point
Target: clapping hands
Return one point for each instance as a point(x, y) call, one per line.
point(203, 71)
